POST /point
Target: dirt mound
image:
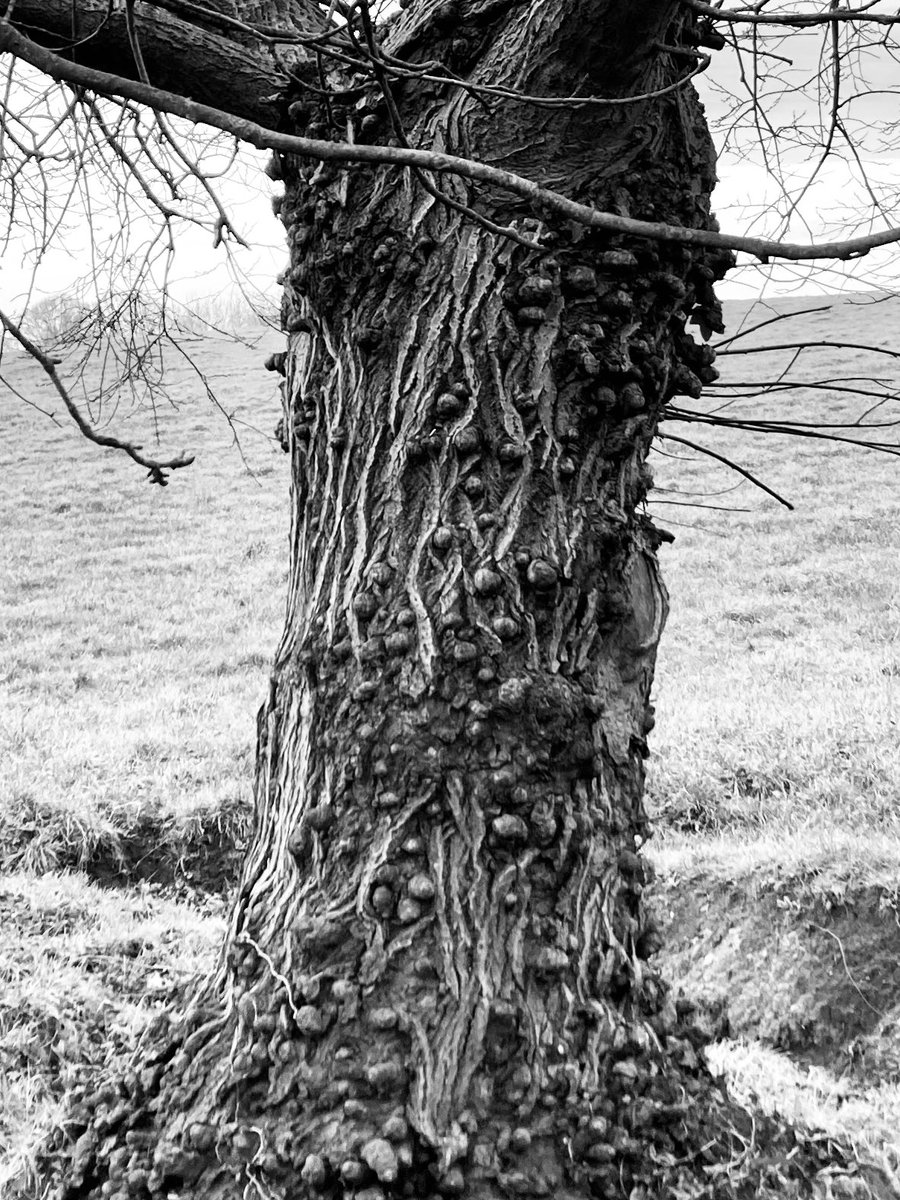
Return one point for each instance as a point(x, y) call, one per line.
point(817, 977)
point(198, 850)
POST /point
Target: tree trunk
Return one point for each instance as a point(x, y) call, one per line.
point(437, 975)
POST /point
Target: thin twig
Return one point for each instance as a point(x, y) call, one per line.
point(741, 333)
point(787, 430)
point(733, 465)
point(806, 346)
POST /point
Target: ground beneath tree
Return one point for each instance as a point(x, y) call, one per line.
point(800, 983)
point(811, 971)
point(796, 974)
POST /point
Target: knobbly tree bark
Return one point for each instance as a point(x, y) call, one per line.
point(438, 976)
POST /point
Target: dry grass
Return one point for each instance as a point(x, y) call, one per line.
point(813, 1097)
point(135, 630)
point(829, 868)
point(136, 623)
point(778, 687)
point(82, 970)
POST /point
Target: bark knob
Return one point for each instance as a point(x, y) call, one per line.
point(619, 260)
point(365, 605)
point(581, 280)
point(448, 406)
point(520, 1139)
point(551, 959)
point(632, 399)
point(511, 452)
point(513, 693)
point(509, 828)
point(354, 1172)
point(385, 1076)
point(395, 1128)
point(398, 643)
point(309, 1020)
point(383, 1018)
point(542, 575)
point(536, 290)
point(465, 652)
point(408, 911)
point(487, 582)
point(421, 887)
point(381, 1158)
point(383, 901)
point(531, 315)
point(467, 441)
point(320, 817)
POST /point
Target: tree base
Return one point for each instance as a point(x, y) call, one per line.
point(193, 1119)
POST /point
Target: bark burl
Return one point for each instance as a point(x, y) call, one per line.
point(437, 978)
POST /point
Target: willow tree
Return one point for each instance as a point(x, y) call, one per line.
point(437, 978)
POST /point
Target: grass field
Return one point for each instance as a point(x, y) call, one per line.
point(779, 677)
point(136, 625)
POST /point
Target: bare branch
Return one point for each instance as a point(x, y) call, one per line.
point(810, 345)
point(741, 333)
point(754, 16)
point(733, 465)
point(541, 199)
point(156, 468)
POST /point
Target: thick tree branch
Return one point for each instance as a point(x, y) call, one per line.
point(291, 16)
point(233, 70)
point(586, 41)
point(541, 200)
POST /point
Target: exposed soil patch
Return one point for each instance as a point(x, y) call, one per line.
point(198, 851)
point(816, 978)
point(203, 857)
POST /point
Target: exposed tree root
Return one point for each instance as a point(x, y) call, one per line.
point(186, 1123)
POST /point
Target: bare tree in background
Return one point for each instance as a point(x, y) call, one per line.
point(437, 979)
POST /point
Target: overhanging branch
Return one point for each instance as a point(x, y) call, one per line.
point(541, 200)
point(791, 20)
point(234, 69)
